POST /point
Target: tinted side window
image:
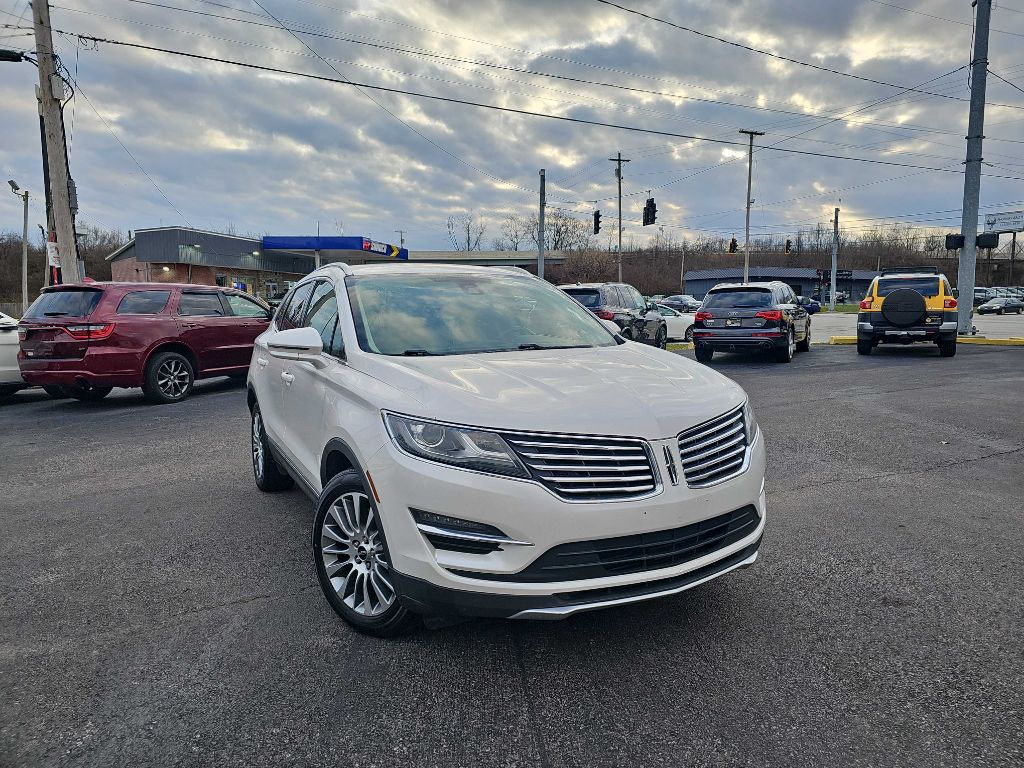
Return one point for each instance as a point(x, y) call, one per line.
point(293, 310)
point(624, 300)
point(610, 297)
point(636, 300)
point(143, 302)
point(205, 304)
point(323, 316)
point(244, 307)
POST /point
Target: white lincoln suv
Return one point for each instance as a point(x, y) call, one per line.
point(479, 444)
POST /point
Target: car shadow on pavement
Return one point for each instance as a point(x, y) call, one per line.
point(121, 398)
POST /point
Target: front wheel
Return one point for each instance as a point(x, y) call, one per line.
point(661, 338)
point(169, 378)
point(87, 393)
point(352, 560)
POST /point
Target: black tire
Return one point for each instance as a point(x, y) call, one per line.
point(7, 390)
point(688, 336)
point(56, 391)
point(169, 378)
point(626, 334)
point(864, 346)
point(805, 345)
point(785, 354)
point(947, 348)
point(704, 354)
point(87, 393)
point(661, 338)
point(999, 311)
point(267, 472)
point(356, 561)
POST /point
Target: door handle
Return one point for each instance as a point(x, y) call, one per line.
point(190, 325)
point(288, 377)
point(261, 362)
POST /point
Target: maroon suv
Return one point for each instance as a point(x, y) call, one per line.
point(84, 340)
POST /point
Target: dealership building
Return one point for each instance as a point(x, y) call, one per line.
point(265, 266)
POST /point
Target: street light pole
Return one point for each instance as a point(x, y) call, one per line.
point(24, 245)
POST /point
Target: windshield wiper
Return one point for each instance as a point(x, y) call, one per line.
point(418, 353)
point(553, 346)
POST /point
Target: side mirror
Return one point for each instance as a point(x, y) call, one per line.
point(611, 326)
point(302, 345)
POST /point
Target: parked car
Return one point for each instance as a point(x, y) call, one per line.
point(87, 339)
point(841, 297)
point(480, 445)
point(738, 317)
point(906, 305)
point(681, 302)
point(1001, 306)
point(679, 325)
point(812, 306)
point(10, 374)
point(623, 305)
point(981, 295)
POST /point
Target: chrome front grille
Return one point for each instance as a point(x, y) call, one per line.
point(585, 468)
point(715, 450)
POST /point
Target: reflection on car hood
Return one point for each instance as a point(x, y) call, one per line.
point(629, 390)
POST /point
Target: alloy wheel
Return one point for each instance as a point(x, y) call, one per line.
point(257, 444)
point(172, 378)
point(354, 556)
point(792, 342)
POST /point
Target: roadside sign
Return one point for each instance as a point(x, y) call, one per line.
point(52, 257)
point(1012, 221)
point(844, 274)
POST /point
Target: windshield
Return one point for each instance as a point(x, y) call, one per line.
point(739, 298)
point(588, 297)
point(926, 286)
point(458, 314)
point(67, 303)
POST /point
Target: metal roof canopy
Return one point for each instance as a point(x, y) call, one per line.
point(336, 248)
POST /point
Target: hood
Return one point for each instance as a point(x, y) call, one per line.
point(629, 390)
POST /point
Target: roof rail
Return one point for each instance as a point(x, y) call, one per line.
point(909, 271)
point(340, 265)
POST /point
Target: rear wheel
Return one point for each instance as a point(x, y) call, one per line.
point(688, 336)
point(947, 348)
point(6, 390)
point(785, 354)
point(169, 378)
point(269, 477)
point(864, 346)
point(87, 393)
point(704, 354)
point(352, 560)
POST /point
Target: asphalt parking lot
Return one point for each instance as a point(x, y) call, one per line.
point(156, 609)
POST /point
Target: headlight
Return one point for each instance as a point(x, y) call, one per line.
point(751, 421)
point(469, 448)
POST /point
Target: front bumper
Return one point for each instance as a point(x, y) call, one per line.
point(433, 580)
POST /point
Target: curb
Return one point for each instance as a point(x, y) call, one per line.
point(1011, 342)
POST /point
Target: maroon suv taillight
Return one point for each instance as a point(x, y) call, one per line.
point(89, 332)
point(770, 314)
point(605, 314)
point(700, 317)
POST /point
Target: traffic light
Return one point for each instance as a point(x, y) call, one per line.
point(650, 211)
point(789, 247)
point(597, 222)
point(733, 246)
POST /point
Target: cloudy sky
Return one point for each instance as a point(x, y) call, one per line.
point(272, 153)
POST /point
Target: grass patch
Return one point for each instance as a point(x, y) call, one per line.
point(849, 309)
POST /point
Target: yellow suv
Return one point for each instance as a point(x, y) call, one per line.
point(907, 305)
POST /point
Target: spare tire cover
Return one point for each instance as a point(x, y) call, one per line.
point(904, 307)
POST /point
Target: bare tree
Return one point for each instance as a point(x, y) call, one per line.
point(562, 232)
point(515, 231)
point(466, 231)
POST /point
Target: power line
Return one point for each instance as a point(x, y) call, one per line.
point(943, 18)
point(751, 49)
point(1012, 85)
point(509, 110)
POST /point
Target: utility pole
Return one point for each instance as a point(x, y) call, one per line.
point(24, 245)
point(618, 175)
point(54, 142)
point(835, 261)
point(540, 232)
point(1013, 255)
point(750, 169)
point(972, 171)
point(401, 238)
